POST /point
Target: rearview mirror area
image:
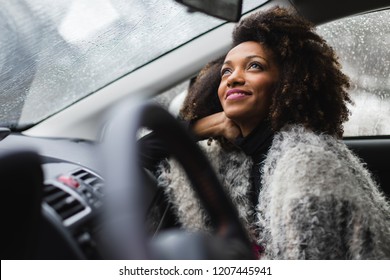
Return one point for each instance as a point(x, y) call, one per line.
point(229, 10)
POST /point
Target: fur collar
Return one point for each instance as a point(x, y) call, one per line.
point(233, 170)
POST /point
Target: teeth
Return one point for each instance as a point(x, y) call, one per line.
point(238, 94)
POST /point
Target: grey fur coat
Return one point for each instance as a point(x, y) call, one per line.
point(318, 201)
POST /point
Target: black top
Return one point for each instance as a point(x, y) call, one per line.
point(256, 145)
point(152, 150)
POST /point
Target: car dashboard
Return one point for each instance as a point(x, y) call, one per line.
point(72, 196)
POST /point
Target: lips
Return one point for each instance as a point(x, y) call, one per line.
point(234, 94)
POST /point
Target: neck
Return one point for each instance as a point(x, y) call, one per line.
point(257, 142)
point(246, 128)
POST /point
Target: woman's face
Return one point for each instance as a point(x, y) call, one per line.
point(248, 78)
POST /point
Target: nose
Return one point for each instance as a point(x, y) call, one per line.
point(236, 78)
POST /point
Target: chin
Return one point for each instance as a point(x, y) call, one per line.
point(234, 114)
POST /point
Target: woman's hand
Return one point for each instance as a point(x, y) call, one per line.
point(216, 125)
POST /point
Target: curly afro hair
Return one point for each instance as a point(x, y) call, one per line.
point(312, 90)
point(202, 98)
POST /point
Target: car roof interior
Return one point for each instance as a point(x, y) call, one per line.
point(324, 11)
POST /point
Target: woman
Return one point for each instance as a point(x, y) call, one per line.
point(300, 192)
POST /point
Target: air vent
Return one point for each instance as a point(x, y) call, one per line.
point(62, 202)
point(89, 178)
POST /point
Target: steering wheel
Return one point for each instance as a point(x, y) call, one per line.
point(124, 223)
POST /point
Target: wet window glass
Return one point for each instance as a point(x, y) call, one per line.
point(363, 45)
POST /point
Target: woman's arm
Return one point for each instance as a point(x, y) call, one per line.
point(216, 125)
point(152, 149)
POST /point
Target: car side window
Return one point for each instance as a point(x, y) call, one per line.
point(363, 45)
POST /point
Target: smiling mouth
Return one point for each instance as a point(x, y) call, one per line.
point(234, 94)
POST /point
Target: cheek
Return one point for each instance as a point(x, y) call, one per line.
point(265, 86)
point(221, 90)
point(268, 95)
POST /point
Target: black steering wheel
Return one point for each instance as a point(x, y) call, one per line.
point(124, 224)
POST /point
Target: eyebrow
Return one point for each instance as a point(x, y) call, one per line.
point(247, 58)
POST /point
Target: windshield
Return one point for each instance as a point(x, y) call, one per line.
point(53, 53)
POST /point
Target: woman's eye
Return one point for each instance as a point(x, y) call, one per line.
point(256, 65)
point(225, 71)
